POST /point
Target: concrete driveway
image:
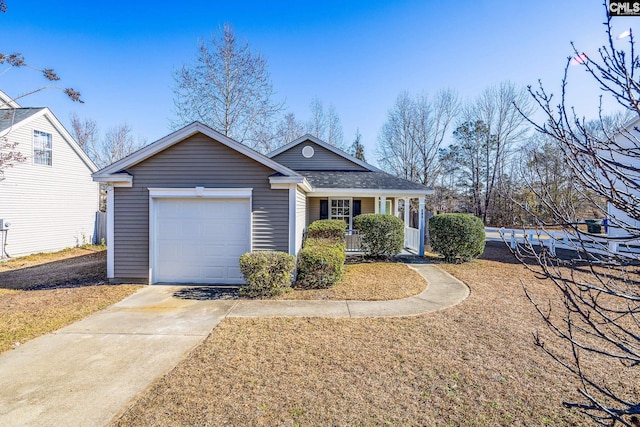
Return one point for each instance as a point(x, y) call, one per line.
point(86, 373)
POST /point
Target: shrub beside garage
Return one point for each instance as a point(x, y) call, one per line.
point(266, 273)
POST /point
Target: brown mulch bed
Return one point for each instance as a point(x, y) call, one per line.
point(45, 292)
point(378, 281)
point(472, 364)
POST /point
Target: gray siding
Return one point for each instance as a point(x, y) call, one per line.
point(322, 159)
point(196, 161)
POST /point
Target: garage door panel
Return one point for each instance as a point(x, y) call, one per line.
point(200, 240)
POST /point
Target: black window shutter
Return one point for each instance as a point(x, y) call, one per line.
point(324, 209)
point(357, 207)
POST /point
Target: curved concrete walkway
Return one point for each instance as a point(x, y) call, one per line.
point(85, 373)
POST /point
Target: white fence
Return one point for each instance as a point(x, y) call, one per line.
point(602, 245)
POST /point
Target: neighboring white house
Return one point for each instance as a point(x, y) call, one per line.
point(49, 200)
point(621, 225)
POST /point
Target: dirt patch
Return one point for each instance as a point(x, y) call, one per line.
point(368, 282)
point(45, 292)
point(71, 267)
point(472, 364)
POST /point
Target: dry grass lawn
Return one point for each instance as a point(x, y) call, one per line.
point(367, 282)
point(473, 364)
point(45, 292)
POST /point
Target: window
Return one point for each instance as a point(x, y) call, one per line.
point(42, 148)
point(340, 209)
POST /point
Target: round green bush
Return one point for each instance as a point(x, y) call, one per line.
point(457, 237)
point(332, 229)
point(382, 234)
point(266, 273)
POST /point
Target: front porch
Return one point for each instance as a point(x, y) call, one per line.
point(408, 207)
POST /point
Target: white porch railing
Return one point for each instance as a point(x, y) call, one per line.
point(353, 241)
point(412, 238)
point(553, 240)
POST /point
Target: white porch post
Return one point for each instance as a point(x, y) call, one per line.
point(383, 205)
point(110, 233)
point(421, 216)
point(292, 219)
point(376, 204)
point(406, 219)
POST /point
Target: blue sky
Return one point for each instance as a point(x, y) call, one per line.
point(357, 55)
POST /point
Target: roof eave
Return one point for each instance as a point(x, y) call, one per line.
point(370, 192)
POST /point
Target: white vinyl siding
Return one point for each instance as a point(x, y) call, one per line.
point(49, 208)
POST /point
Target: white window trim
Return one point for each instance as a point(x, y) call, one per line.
point(33, 148)
point(191, 193)
point(350, 199)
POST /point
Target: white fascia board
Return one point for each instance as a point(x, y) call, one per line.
point(187, 131)
point(201, 192)
point(284, 182)
point(365, 192)
point(336, 150)
point(117, 180)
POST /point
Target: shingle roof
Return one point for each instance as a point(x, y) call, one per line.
point(13, 116)
point(360, 180)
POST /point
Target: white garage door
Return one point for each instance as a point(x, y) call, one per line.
point(200, 240)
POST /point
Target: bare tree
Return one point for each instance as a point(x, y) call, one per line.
point(410, 140)
point(118, 142)
point(228, 88)
point(489, 129)
point(597, 318)
point(289, 129)
point(357, 149)
point(85, 131)
point(335, 136)
point(397, 152)
point(325, 125)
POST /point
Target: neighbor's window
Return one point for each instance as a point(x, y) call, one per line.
point(41, 148)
